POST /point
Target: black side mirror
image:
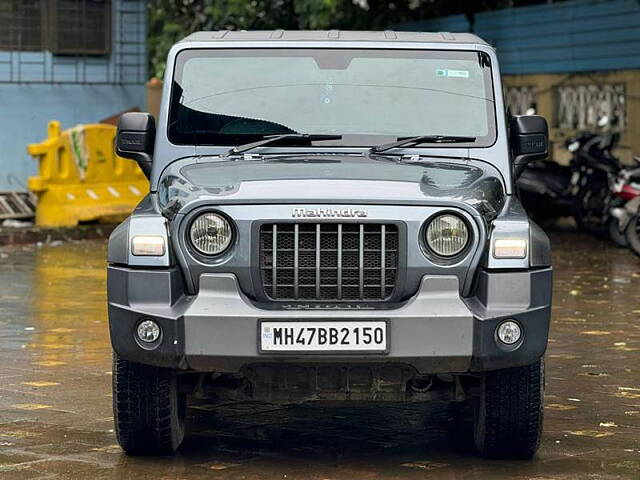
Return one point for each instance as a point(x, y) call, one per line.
point(529, 140)
point(135, 138)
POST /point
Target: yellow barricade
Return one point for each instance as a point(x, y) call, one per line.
point(82, 179)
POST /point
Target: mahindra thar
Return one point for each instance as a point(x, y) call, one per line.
point(332, 217)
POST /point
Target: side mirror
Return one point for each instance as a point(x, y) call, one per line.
point(529, 140)
point(135, 138)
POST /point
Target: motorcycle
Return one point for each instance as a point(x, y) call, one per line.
point(632, 233)
point(580, 190)
point(629, 216)
point(545, 190)
point(595, 166)
point(625, 188)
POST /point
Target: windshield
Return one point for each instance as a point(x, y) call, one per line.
point(233, 96)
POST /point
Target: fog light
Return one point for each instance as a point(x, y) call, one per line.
point(509, 332)
point(148, 331)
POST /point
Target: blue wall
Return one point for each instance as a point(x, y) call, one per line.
point(36, 87)
point(26, 110)
point(571, 36)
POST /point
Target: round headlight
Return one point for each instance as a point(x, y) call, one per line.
point(447, 235)
point(211, 233)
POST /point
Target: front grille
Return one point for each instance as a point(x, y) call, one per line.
point(329, 261)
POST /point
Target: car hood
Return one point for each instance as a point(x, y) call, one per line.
point(333, 179)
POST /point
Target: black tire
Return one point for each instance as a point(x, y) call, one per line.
point(508, 414)
point(460, 428)
point(148, 411)
point(618, 237)
point(633, 234)
point(592, 203)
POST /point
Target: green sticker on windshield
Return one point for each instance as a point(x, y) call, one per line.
point(452, 73)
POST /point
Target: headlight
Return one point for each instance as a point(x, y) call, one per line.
point(447, 235)
point(211, 233)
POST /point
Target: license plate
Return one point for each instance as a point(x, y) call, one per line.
point(320, 337)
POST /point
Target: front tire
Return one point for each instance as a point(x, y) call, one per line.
point(592, 204)
point(148, 411)
point(508, 414)
point(633, 234)
point(618, 237)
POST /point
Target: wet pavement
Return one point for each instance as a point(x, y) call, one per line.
point(55, 391)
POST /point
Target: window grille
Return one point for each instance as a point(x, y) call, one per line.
point(578, 107)
point(73, 41)
point(79, 27)
point(520, 99)
point(21, 25)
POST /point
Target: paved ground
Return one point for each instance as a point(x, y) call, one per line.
point(55, 403)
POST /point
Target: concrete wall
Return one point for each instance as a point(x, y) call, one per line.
point(36, 87)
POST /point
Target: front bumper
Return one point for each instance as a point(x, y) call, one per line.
point(435, 331)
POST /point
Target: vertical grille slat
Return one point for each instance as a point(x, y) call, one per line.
point(361, 261)
point(339, 247)
point(329, 262)
point(274, 260)
point(383, 286)
point(296, 259)
point(318, 250)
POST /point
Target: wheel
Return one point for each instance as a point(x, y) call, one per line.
point(508, 414)
point(618, 237)
point(592, 203)
point(149, 412)
point(633, 234)
point(590, 213)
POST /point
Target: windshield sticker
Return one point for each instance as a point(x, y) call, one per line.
point(452, 73)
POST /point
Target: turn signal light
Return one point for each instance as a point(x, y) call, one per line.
point(148, 245)
point(509, 248)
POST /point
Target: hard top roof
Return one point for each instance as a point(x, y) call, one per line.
point(334, 35)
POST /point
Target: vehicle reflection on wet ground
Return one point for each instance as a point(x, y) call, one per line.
point(55, 394)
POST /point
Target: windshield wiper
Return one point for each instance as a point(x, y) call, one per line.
point(421, 139)
point(274, 138)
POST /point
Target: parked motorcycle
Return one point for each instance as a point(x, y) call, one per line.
point(545, 190)
point(633, 232)
point(581, 189)
point(629, 216)
point(596, 166)
point(625, 188)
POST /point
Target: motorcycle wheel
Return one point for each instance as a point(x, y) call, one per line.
point(633, 234)
point(591, 207)
point(618, 237)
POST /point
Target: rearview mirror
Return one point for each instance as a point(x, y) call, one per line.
point(135, 138)
point(529, 140)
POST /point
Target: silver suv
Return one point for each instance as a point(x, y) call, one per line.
point(332, 217)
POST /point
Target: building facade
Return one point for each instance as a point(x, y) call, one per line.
point(76, 61)
point(574, 60)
